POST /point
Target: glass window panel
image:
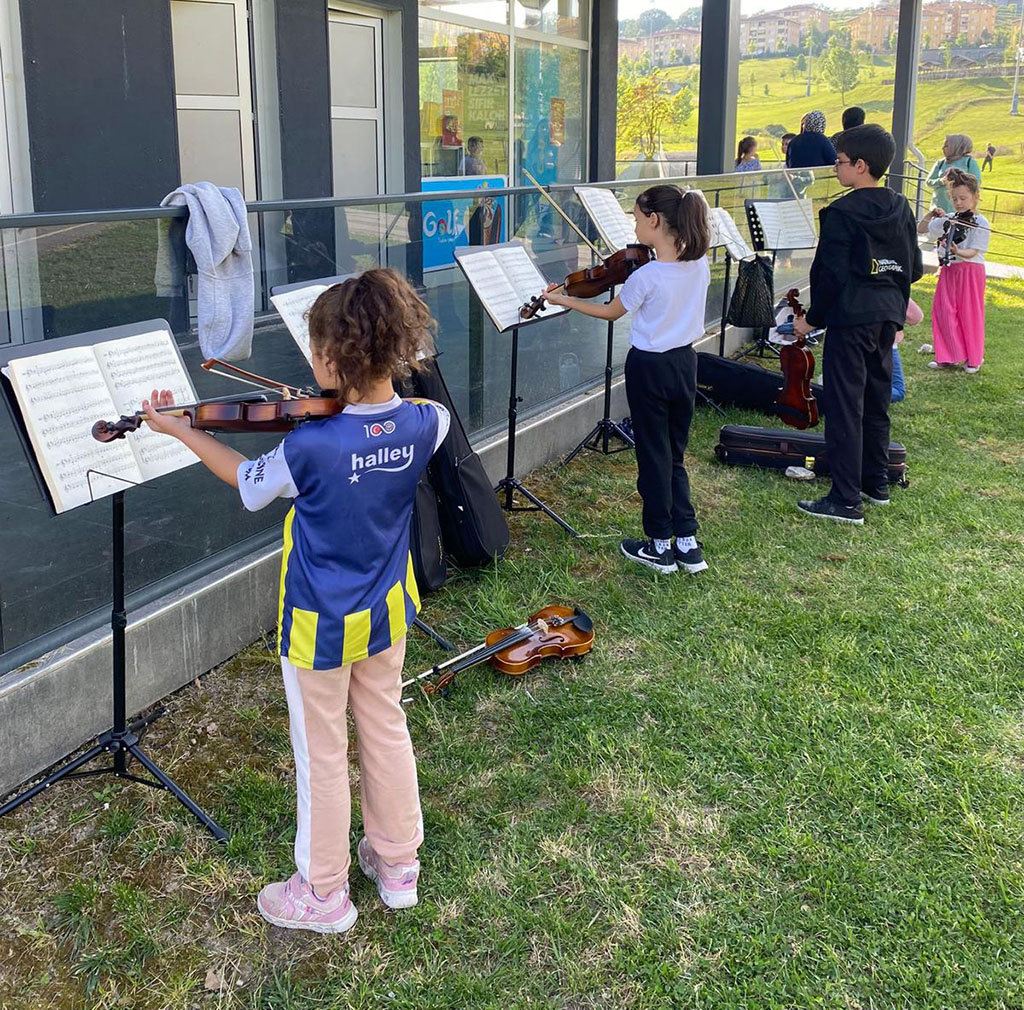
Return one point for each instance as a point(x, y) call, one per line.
point(353, 65)
point(556, 17)
point(486, 10)
point(355, 156)
point(464, 90)
point(210, 146)
point(659, 73)
point(204, 48)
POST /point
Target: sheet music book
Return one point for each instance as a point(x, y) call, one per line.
point(504, 279)
point(293, 302)
point(616, 228)
point(725, 233)
point(786, 224)
point(62, 393)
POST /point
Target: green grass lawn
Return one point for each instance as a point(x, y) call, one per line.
point(791, 781)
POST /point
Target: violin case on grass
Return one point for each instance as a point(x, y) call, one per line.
point(739, 384)
point(428, 560)
point(775, 449)
point(472, 524)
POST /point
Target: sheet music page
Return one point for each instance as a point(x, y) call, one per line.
point(133, 367)
point(725, 233)
point(61, 395)
point(787, 224)
point(292, 307)
point(493, 288)
point(616, 227)
point(525, 278)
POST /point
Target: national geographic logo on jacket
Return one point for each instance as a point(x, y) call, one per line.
point(885, 267)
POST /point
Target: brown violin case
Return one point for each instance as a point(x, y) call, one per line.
point(778, 448)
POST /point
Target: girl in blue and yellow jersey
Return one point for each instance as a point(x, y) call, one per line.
point(348, 593)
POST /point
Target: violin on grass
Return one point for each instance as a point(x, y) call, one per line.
point(555, 632)
point(278, 409)
point(798, 408)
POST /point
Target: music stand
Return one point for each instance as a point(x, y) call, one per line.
point(503, 278)
point(777, 223)
point(122, 739)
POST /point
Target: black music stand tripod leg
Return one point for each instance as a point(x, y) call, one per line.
point(597, 439)
point(121, 740)
point(510, 484)
point(431, 633)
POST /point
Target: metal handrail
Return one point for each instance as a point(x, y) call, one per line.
point(48, 219)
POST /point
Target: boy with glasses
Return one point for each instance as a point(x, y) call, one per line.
point(866, 260)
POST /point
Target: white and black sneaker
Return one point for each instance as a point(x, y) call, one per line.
point(876, 496)
point(692, 560)
point(644, 553)
point(825, 508)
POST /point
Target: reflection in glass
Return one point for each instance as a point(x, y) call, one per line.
point(463, 100)
point(556, 17)
point(486, 10)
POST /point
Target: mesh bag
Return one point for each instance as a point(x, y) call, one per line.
point(753, 299)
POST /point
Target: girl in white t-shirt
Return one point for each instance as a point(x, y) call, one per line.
point(666, 297)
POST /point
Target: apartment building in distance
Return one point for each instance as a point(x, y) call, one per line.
point(672, 45)
point(946, 22)
point(768, 33)
point(875, 26)
point(805, 15)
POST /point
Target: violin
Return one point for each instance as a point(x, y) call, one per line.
point(954, 230)
point(245, 412)
point(799, 409)
point(555, 632)
point(595, 280)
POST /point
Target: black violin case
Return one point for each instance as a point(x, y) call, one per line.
point(778, 448)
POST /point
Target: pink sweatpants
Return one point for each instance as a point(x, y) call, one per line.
point(387, 769)
point(958, 314)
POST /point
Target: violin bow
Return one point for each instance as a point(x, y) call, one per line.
point(215, 365)
point(568, 220)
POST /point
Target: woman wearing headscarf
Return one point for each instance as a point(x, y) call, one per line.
point(811, 149)
point(956, 153)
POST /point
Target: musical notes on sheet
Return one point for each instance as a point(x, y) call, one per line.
point(293, 308)
point(134, 367)
point(62, 393)
point(616, 228)
point(725, 233)
point(504, 279)
point(786, 224)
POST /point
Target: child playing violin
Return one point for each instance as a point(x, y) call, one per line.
point(348, 593)
point(666, 297)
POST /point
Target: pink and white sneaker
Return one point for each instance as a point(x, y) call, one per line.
point(293, 904)
point(396, 884)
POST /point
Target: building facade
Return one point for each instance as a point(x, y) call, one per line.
point(769, 33)
point(948, 22)
point(874, 27)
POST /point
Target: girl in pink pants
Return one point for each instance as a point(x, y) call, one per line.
point(347, 592)
point(958, 313)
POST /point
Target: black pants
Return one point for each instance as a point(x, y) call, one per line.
point(857, 371)
point(660, 389)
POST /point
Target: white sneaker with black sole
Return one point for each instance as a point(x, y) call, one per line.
point(643, 552)
point(692, 560)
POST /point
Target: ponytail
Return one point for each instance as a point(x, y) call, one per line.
point(686, 214)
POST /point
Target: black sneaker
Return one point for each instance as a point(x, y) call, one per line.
point(876, 496)
point(644, 553)
point(825, 508)
point(692, 560)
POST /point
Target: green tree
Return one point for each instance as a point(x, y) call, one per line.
point(839, 68)
point(645, 106)
point(801, 63)
point(690, 18)
point(654, 20)
point(947, 55)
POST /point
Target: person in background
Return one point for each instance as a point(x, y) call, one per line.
point(785, 141)
point(899, 383)
point(958, 312)
point(473, 164)
point(746, 157)
point(990, 153)
point(811, 149)
point(956, 153)
point(853, 116)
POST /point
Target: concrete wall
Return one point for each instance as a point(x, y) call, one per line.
point(51, 707)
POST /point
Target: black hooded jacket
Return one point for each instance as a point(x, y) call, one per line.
point(866, 260)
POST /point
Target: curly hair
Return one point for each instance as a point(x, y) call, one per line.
point(371, 327)
point(958, 177)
